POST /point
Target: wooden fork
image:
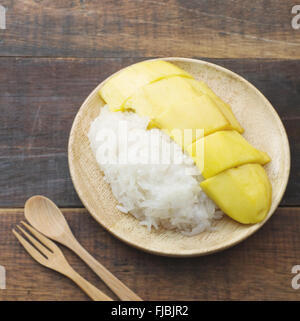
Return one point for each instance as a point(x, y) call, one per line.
point(48, 254)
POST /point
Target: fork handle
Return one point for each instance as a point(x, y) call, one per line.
point(118, 287)
point(94, 293)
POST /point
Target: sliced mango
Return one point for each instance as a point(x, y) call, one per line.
point(223, 150)
point(244, 193)
point(225, 108)
point(174, 106)
point(200, 113)
point(155, 98)
point(126, 82)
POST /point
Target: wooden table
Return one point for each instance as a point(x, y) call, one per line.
point(53, 53)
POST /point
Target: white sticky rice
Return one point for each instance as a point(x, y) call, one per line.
point(160, 194)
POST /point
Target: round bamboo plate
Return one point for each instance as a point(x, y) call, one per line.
point(263, 129)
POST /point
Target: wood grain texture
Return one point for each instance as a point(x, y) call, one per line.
point(140, 28)
point(257, 269)
point(39, 98)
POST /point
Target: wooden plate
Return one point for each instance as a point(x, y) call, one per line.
point(263, 129)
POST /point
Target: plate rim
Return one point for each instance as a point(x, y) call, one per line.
point(188, 253)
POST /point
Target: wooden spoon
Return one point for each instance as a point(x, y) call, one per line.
point(47, 218)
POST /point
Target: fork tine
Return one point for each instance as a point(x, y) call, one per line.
point(36, 243)
point(30, 249)
point(43, 239)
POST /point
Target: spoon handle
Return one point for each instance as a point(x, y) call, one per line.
point(118, 287)
point(94, 293)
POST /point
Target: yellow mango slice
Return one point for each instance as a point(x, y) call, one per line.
point(223, 150)
point(174, 106)
point(125, 83)
point(225, 108)
point(200, 116)
point(243, 193)
point(154, 99)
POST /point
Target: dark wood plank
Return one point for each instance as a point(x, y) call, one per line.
point(257, 269)
point(39, 98)
point(137, 28)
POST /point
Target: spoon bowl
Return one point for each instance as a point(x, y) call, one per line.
point(45, 216)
